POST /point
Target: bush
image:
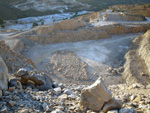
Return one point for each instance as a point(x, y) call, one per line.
point(65, 18)
point(42, 23)
point(1, 21)
point(16, 22)
point(34, 24)
point(75, 15)
point(3, 26)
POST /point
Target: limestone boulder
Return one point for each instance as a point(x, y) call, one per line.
point(96, 97)
point(40, 79)
point(3, 75)
point(112, 104)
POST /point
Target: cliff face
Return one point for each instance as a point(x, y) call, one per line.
point(71, 24)
point(144, 50)
point(122, 17)
point(91, 17)
point(137, 66)
point(133, 9)
point(78, 30)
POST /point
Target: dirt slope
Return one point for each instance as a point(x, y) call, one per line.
point(137, 66)
point(133, 9)
point(74, 30)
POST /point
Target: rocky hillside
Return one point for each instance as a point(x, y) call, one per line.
point(14, 9)
point(133, 9)
point(137, 60)
point(78, 30)
point(81, 65)
point(9, 12)
point(18, 9)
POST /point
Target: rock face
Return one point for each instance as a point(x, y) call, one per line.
point(3, 75)
point(96, 97)
point(77, 30)
point(122, 17)
point(71, 24)
point(144, 50)
point(137, 66)
point(14, 60)
point(133, 9)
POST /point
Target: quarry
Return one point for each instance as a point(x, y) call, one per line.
point(50, 68)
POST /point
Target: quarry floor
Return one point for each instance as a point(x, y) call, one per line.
point(99, 55)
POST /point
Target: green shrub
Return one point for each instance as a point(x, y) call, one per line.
point(1, 21)
point(3, 26)
point(75, 15)
point(16, 22)
point(34, 24)
point(42, 23)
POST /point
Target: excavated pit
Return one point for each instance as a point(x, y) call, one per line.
point(76, 51)
point(83, 62)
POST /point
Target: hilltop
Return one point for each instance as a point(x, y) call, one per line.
point(14, 9)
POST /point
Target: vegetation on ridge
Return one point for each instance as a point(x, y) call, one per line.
point(104, 4)
point(8, 12)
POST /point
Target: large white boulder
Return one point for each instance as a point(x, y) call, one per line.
point(3, 75)
point(96, 97)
